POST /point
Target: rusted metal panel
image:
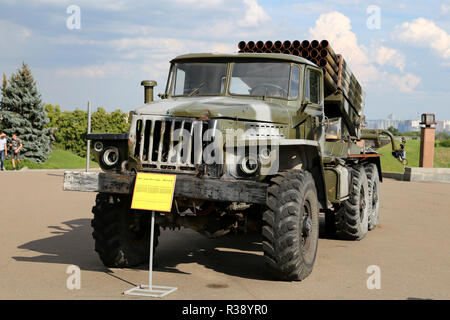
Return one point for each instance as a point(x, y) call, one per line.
point(364, 155)
point(186, 186)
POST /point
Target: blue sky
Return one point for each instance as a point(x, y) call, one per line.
point(404, 64)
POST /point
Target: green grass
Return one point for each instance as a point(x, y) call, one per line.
point(412, 148)
point(59, 159)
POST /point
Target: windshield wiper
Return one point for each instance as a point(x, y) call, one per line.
point(196, 89)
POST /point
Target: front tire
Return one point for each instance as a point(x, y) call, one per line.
point(122, 239)
point(291, 225)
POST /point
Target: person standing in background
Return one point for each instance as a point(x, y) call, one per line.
point(16, 146)
point(3, 149)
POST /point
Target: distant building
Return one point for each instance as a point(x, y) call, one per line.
point(404, 125)
point(443, 125)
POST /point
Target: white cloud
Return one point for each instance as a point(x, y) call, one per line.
point(140, 46)
point(95, 71)
point(12, 32)
point(255, 15)
point(337, 29)
point(156, 44)
point(223, 48)
point(390, 57)
point(425, 33)
point(151, 55)
point(405, 83)
point(105, 5)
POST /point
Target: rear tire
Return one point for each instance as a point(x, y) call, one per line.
point(352, 216)
point(117, 240)
point(291, 225)
point(374, 189)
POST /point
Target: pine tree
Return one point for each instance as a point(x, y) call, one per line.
point(4, 84)
point(23, 112)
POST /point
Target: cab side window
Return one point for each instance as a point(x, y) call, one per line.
point(312, 86)
point(295, 82)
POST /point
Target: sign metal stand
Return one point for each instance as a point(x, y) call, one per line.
point(151, 290)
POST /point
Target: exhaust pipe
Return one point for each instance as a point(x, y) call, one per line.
point(148, 89)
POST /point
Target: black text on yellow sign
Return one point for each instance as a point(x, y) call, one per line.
point(153, 191)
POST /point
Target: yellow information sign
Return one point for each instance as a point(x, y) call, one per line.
point(153, 191)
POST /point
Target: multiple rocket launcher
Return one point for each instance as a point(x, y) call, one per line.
point(337, 74)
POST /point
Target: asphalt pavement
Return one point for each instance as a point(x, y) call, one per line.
point(45, 230)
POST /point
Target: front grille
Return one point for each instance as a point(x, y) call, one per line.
point(171, 144)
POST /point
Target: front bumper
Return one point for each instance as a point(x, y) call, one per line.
point(186, 186)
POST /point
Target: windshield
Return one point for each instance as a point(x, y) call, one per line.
point(191, 79)
point(270, 79)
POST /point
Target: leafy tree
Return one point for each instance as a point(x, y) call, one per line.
point(410, 133)
point(71, 127)
point(394, 131)
point(22, 111)
point(53, 114)
point(442, 135)
point(445, 143)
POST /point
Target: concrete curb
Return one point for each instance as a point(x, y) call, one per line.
point(415, 174)
point(427, 174)
point(393, 175)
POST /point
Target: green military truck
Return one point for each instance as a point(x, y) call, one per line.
point(260, 141)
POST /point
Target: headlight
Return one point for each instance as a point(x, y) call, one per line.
point(249, 165)
point(110, 157)
point(98, 146)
